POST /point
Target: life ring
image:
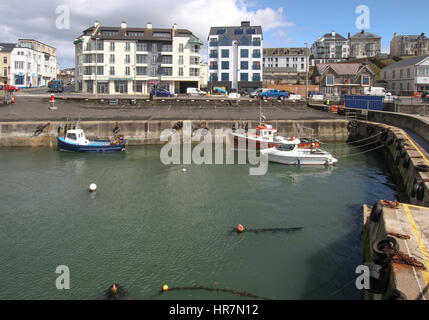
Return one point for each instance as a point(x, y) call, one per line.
point(376, 212)
point(292, 138)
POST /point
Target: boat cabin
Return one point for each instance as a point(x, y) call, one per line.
point(76, 136)
point(266, 132)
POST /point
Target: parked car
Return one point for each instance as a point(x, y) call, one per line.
point(195, 92)
point(56, 86)
point(161, 93)
point(254, 94)
point(10, 88)
point(274, 94)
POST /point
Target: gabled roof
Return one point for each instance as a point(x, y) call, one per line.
point(364, 35)
point(342, 69)
point(333, 36)
point(7, 47)
point(405, 63)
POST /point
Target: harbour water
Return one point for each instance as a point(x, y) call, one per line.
point(150, 224)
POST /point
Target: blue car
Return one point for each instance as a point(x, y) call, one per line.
point(161, 93)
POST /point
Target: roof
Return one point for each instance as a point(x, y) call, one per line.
point(244, 29)
point(7, 47)
point(285, 51)
point(333, 36)
point(421, 36)
point(147, 33)
point(364, 35)
point(342, 69)
point(405, 63)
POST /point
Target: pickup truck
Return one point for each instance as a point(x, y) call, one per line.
point(273, 94)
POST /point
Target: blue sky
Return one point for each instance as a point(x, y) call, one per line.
point(314, 18)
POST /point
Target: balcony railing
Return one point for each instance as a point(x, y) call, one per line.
point(256, 55)
point(256, 67)
point(213, 44)
point(256, 79)
point(256, 43)
point(214, 67)
point(214, 55)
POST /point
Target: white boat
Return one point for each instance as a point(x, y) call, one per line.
point(292, 155)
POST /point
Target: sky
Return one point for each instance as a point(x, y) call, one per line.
point(285, 23)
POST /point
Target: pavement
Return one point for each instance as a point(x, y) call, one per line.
point(28, 108)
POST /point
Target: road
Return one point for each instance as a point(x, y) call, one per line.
point(37, 108)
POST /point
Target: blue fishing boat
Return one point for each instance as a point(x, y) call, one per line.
point(75, 140)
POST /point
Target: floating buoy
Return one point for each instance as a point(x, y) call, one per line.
point(93, 187)
point(240, 228)
point(114, 289)
point(184, 170)
point(164, 288)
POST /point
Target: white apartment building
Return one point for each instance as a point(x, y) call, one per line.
point(295, 59)
point(407, 76)
point(31, 65)
point(235, 57)
point(332, 47)
point(124, 60)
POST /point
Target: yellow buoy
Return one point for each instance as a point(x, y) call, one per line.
point(164, 287)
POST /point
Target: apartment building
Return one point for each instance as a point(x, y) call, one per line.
point(235, 57)
point(409, 45)
point(364, 45)
point(5, 50)
point(32, 64)
point(332, 47)
point(285, 65)
point(125, 60)
point(407, 76)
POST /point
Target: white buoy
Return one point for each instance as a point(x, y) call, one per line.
point(93, 187)
point(184, 170)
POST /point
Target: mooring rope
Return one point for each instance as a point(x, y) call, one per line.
point(359, 153)
point(352, 142)
point(270, 230)
point(236, 292)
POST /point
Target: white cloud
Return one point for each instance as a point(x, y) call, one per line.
point(195, 15)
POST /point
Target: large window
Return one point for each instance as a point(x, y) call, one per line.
point(127, 58)
point(127, 71)
point(213, 77)
point(213, 54)
point(100, 70)
point(167, 59)
point(225, 53)
point(244, 65)
point(330, 80)
point(112, 71)
point(167, 71)
point(141, 71)
point(225, 76)
point(112, 58)
point(141, 58)
point(121, 86)
point(180, 47)
point(141, 47)
point(244, 53)
point(365, 80)
point(127, 46)
point(256, 77)
point(244, 77)
point(225, 65)
point(213, 65)
point(112, 46)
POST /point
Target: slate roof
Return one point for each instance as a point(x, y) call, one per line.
point(231, 33)
point(285, 51)
point(364, 35)
point(341, 68)
point(7, 47)
point(405, 63)
point(336, 37)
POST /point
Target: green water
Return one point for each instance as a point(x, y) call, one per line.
point(151, 224)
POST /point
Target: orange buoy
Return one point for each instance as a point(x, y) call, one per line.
point(114, 289)
point(240, 228)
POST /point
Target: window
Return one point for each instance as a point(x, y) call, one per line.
point(225, 65)
point(244, 76)
point(256, 41)
point(127, 58)
point(180, 59)
point(244, 53)
point(112, 46)
point(213, 65)
point(141, 58)
point(256, 77)
point(401, 74)
point(167, 59)
point(251, 31)
point(213, 76)
point(167, 71)
point(127, 46)
point(161, 34)
point(5, 60)
point(100, 70)
point(180, 47)
point(408, 73)
point(112, 71)
point(71, 136)
point(141, 71)
point(181, 72)
point(256, 65)
point(194, 60)
point(256, 53)
point(100, 45)
point(139, 86)
point(194, 72)
point(244, 65)
point(127, 71)
point(167, 48)
point(100, 58)
point(141, 47)
point(225, 53)
point(225, 76)
point(213, 54)
point(238, 31)
point(365, 80)
point(112, 58)
point(220, 31)
point(329, 80)
point(19, 65)
point(153, 71)
point(135, 33)
point(393, 74)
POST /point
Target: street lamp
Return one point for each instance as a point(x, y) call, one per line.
point(306, 70)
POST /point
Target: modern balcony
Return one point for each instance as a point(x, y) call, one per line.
point(256, 55)
point(213, 44)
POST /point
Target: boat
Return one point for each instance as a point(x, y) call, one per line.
point(292, 155)
point(75, 140)
point(265, 137)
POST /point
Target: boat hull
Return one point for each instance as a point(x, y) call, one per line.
point(241, 142)
point(315, 161)
point(65, 146)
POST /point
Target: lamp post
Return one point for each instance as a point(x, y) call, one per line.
point(96, 67)
point(306, 71)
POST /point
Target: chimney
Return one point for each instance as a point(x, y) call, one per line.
point(96, 24)
point(395, 35)
point(123, 25)
point(149, 25)
point(174, 26)
point(245, 23)
point(333, 33)
point(348, 36)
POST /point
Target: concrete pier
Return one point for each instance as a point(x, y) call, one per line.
point(408, 221)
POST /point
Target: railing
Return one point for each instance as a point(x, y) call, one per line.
point(256, 55)
point(213, 44)
point(213, 55)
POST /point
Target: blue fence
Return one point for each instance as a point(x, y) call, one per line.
point(364, 102)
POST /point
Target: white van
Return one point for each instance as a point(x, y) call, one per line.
point(195, 92)
point(376, 91)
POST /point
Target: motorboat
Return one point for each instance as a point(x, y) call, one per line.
point(75, 140)
point(291, 154)
point(265, 137)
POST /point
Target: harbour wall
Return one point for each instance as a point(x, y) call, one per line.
point(143, 132)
